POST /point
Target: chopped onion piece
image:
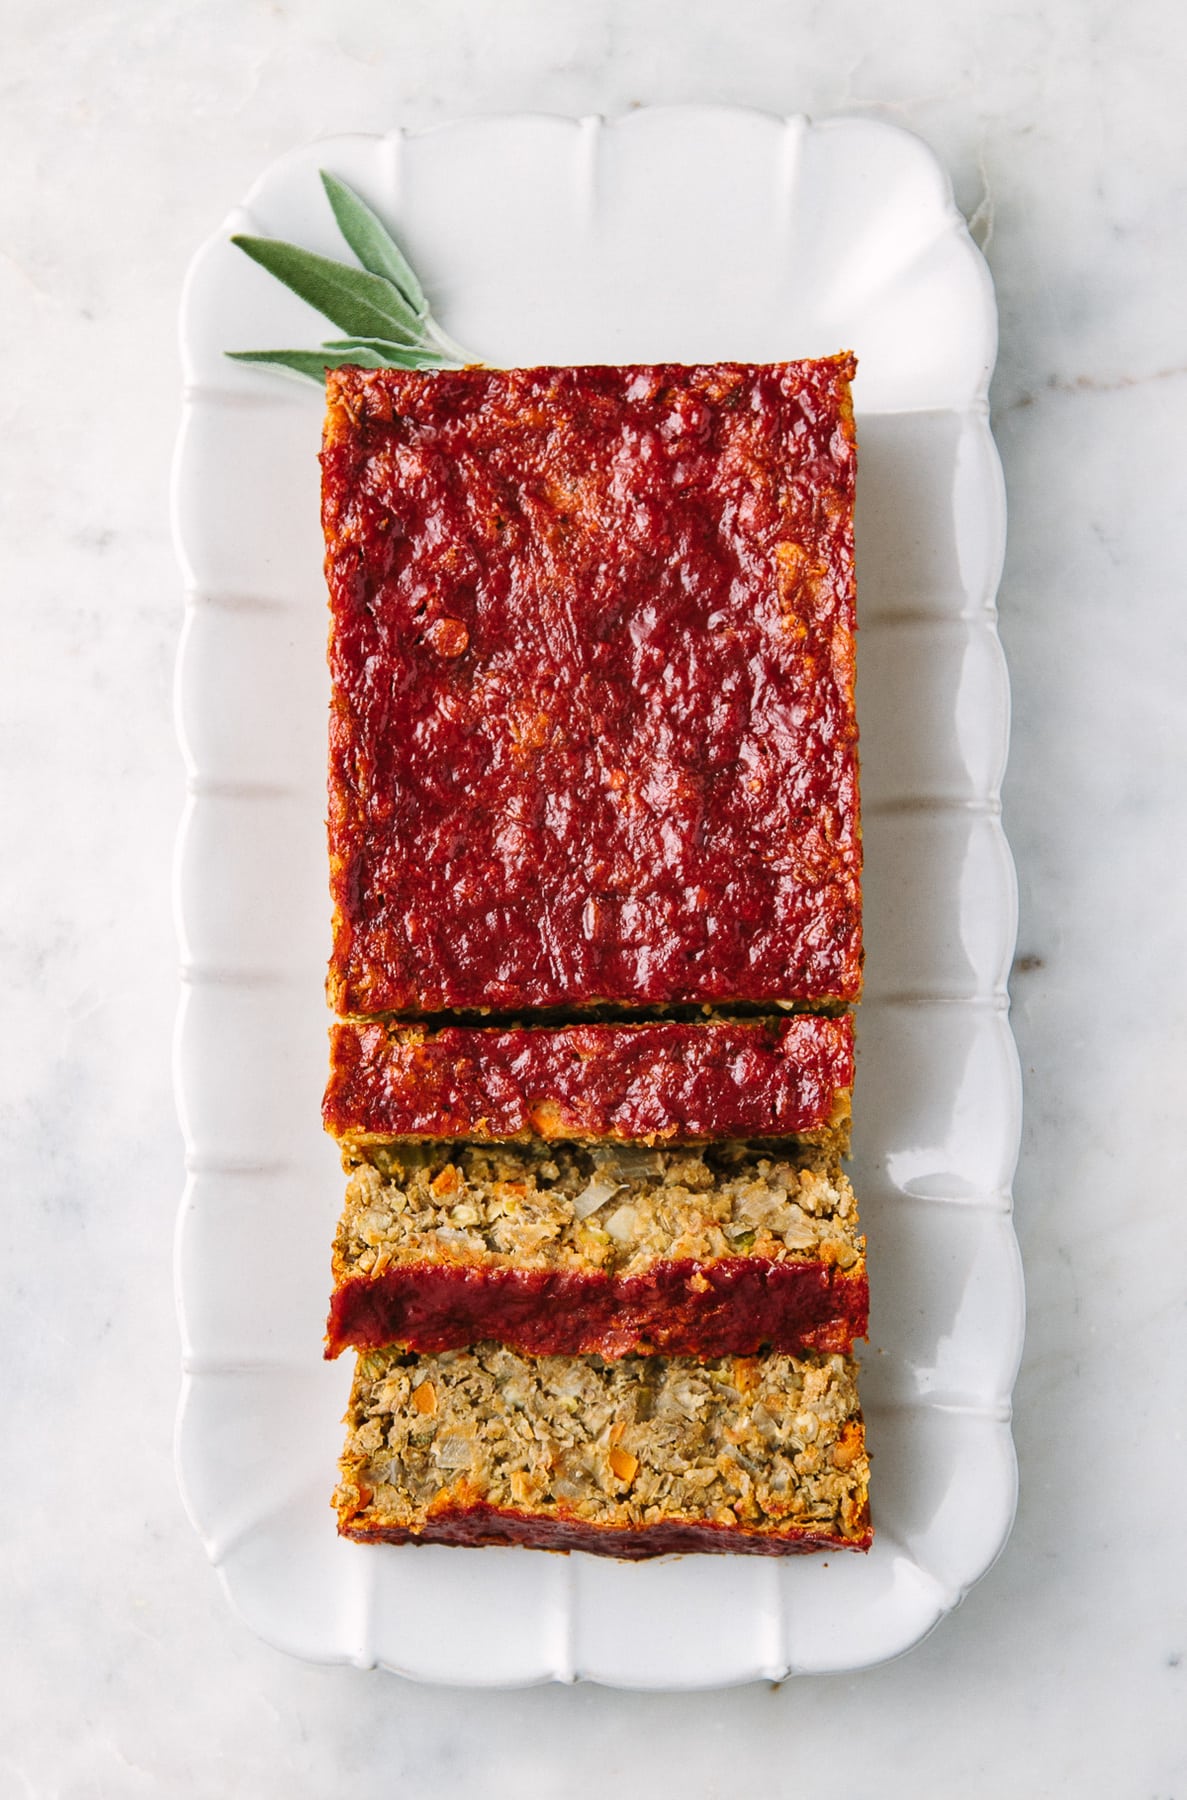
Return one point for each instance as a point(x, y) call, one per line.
point(631, 1161)
point(453, 1450)
point(595, 1194)
point(622, 1224)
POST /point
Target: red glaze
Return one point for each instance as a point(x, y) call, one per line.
point(592, 733)
point(734, 1306)
point(781, 1078)
point(482, 1523)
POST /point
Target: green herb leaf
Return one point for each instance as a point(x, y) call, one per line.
point(395, 356)
point(366, 305)
point(402, 340)
point(373, 244)
point(312, 363)
point(382, 305)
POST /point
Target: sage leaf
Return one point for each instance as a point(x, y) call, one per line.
point(403, 340)
point(365, 305)
point(395, 356)
point(382, 305)
point(311, 363)
point(372, 243)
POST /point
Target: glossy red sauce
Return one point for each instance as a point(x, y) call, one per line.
point(666, 1080)
point(735, 1306)
point(482, 1523)
point(593, 732)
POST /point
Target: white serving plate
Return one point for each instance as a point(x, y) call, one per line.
point(684, 234)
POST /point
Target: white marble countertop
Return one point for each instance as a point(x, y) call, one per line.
point(126, 134)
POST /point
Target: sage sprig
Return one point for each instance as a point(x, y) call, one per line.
point(380, 305)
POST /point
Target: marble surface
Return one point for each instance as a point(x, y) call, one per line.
point(126, 132)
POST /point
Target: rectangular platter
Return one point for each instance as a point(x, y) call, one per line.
point(674, 234)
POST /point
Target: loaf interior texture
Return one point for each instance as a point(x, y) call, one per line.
point(614, 1208)
point(630, 1457)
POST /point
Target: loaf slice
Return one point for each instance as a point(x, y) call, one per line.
point(666, 1081)
point(633, 1458)
point(566, 1248)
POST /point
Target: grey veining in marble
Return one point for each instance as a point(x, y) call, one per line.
point(126, 132)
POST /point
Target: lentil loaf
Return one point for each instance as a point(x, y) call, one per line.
point(593, 814)
point(566, 1248)
point(633, 1458)
point(656, 1082)
point(593, 735)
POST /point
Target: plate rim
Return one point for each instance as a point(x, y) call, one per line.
point(995, 519)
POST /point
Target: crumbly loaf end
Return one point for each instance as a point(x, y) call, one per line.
point(565, 1249)
point(665, 1081)
point(630, 1458)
